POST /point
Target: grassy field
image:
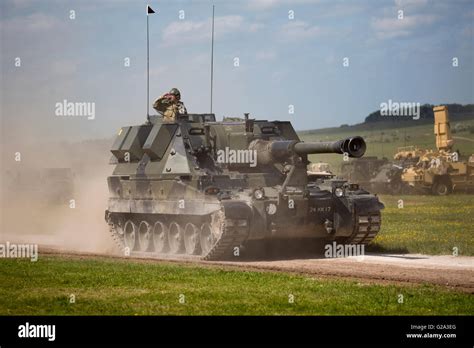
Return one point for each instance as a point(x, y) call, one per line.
point(383, 139)
point(125, 287)
point(427, 224)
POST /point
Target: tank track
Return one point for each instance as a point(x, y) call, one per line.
point(232, 233)
point(232, 236)
point(366, 228)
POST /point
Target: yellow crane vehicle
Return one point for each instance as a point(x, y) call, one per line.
point(438, 171)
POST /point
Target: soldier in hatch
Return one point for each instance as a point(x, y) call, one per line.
point(170, 105)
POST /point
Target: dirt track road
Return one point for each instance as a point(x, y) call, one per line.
point(456, 273)
point(449, 271)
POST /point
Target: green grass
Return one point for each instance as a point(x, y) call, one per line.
point(126, 287)
point(386, 144)
point(427, 224)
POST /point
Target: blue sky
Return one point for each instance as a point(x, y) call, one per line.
point(283, 61)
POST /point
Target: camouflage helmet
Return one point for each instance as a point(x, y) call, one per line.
point(175, 92)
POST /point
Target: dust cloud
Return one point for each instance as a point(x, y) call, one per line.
point(54, 194)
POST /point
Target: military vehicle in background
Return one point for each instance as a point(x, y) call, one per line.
point(377, 175)
point(410, 153)
point(203, 189)
point(440, 171)
point(319, 171)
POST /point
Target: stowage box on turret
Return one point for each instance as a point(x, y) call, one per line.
point(204, 188)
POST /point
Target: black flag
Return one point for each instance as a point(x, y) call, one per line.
point(149, 10)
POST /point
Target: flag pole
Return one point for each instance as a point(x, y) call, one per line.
point(147, 68)
point(212, 54)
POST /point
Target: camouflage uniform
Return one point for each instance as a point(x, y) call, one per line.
point(169, 106)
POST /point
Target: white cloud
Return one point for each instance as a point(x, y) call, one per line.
point(391, 27)
point(299, 30)
point(194, 31)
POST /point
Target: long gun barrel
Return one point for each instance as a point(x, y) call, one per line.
point(274, 150)
point(354, 147)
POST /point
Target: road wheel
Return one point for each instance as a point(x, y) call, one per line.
point(130, 235)
point(160, 238)
point(441, 188)
point(175, 238)
point(396, 187)
point(191, 239)
point(207, 238)
point(144, 236)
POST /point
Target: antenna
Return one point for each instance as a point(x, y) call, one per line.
point(149, 11)
point(212, 54)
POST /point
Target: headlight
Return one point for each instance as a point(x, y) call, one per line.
point(259, 194)
point(339, 192)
